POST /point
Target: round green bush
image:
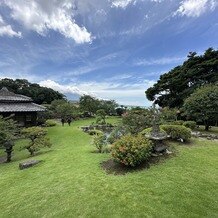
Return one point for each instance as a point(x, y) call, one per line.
point(50, 123)
point(131, 150)
point(190, 124)
point(177, 131)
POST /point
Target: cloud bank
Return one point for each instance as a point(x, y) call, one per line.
point(44, 15)
point(128, 94)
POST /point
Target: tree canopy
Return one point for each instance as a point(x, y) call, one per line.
point(91, 105)
point(175, 86)
point(202, 105)
point(35, 91)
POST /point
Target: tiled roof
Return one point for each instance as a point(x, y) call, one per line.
point(7, 96)
point(21, 107)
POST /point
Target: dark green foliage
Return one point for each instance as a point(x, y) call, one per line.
point(90, 105)
point(36, 92)
point(131, 150)
point(137, 120)
point(109, 106)
point(38, 139)
point(202, 105)
point(177, 132)
point(8, 132)
point(175, 86)
point(120, 110)
point(190, 124)
point(64, 109)
point(168, 114)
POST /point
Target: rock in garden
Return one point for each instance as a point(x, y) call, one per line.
point(168, 152)
point(28, 164)
point(160, 148)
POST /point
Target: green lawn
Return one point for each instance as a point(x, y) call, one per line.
point(71, 183)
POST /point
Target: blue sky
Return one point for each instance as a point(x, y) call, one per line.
point(111, 49)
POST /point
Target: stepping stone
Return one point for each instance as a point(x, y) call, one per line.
point(28, 164)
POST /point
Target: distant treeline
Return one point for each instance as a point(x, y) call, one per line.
point(40, 95)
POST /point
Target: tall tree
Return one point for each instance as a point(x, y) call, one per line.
point(175, 86)
point(88, 103)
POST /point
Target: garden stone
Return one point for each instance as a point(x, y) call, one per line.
point(28, 164)
point(168, 152)
point(156, 135)
point(160, 148)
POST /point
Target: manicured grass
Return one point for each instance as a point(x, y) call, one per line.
point(71, 183)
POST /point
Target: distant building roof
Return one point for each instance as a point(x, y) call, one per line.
point(8, 96)
point(10, 102)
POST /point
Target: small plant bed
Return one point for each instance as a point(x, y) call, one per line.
point(112, 167)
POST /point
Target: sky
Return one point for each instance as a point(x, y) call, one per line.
point(110, 49)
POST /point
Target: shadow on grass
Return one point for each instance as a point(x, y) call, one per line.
point(23, 158)
point(112, 167)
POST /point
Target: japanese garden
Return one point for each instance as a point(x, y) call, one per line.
point(96, 158)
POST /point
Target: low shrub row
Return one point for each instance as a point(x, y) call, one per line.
point(188, 124)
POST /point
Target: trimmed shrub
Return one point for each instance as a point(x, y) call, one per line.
point(177, 131)
point(50, 123)
point(147, 131)
point(38, 139)
point(131, 150)
point(190, 124)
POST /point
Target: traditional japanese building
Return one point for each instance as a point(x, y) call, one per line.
point(20, 107)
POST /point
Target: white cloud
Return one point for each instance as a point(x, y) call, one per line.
point(128, 94)
point(122, 3)
point(44, 15)
point(161, 61)
point(6, 30)
point(66, 89)
point(195, 8)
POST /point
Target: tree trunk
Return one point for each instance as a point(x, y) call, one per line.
point(31, 151)
point(207, 127)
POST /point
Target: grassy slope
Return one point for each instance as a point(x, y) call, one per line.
point(70, 183)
